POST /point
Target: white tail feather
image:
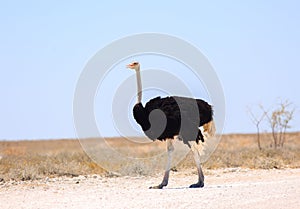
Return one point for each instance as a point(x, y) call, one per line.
point(209, 129)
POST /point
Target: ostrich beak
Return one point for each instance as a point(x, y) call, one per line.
point(129, 66)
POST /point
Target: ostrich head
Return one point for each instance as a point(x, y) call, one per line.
point(134, 66)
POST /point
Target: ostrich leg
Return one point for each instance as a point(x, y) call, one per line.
point(200, 183)
point(170, 149)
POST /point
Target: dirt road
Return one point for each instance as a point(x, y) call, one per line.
point(230, 188)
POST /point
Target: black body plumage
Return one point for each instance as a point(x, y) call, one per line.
point(182, 116)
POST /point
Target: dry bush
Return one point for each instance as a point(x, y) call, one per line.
point(278, 119)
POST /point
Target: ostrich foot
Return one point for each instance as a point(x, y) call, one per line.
point(157, 187)
point(197, 185)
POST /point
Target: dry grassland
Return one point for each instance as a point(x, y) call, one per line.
point(27, 160)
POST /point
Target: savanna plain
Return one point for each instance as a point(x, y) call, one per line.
point(61, 174)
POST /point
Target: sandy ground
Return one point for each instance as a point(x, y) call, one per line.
point(230, 188)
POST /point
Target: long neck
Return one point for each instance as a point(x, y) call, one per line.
point(139, 86)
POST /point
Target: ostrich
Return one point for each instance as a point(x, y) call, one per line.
point(165, 127)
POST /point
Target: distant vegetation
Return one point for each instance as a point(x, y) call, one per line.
point(277, 118)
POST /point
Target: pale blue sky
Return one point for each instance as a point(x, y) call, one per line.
point(254, 47)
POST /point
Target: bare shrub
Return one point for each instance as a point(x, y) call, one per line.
point(278, 119)
point(256, 120)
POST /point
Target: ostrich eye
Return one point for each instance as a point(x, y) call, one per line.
point(135, 63)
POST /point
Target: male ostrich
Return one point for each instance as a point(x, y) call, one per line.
point(166, 126)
